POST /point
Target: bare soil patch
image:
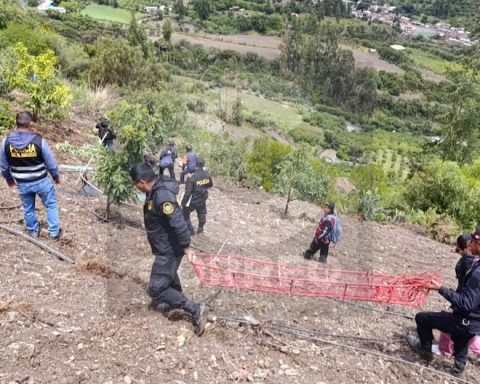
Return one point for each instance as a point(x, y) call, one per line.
point(96, 328)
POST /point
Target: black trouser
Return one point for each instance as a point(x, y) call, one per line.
point(201, 209)
point(448, 323)
point(170, 170)
point(184, 172)
point(316, 245)
point(164, 285)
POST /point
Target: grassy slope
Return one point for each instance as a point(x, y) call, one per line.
point(427, 60)
point(103, 12)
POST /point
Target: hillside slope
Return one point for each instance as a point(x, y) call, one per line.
point(86, 324)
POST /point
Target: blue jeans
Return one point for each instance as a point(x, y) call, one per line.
point(45, 189)
point(109, 145)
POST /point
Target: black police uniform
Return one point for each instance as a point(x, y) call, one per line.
point(195, 198)
point(168, 235)
point(464, 322)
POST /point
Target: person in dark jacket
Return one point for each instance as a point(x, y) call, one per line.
point(167, 159)
point(25, 161)
point(463, 323)
point(169, 239)
point(196, 195)
point(321, 240)
point(106, 134)
point(189, 163)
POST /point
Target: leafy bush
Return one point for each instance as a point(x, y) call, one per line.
point(31, 37)
point(38, 77)
point(443, 187)
point(264, 159)
point(258, 120)
point(393, 56)
point(325, 121)
point(198, 105)
point(7, 117)
point(306, 134)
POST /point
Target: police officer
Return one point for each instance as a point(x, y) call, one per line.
point(463, 323)
point(196, 195)
point(106, 134)
point(189, 163)
point(26, 161)
point(169, 239)
point(167, 159)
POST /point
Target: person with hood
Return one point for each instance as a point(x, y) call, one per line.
point(106, 134)
point(196, 195)
point(167, 159)
point(466, 261)
point(189, 163)
point(463, 323)
point(168, 235)
point(321, 240)
point(25, 161)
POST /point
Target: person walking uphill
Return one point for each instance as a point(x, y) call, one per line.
point(321, 241)
point(167, 159)
point(196, 195)
point(106, 134)
point(463, 323)
point(189, 163)
point(169, 239)
point(25, 161)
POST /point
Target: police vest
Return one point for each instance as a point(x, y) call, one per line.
point(26, 164)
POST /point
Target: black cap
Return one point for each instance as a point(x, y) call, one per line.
point(331, 205)
point(200, 162)
point(472, 236)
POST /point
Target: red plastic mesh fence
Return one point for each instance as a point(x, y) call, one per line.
point(267, 276)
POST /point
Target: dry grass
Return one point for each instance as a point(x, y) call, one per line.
point(87, 101)
point(15, 306)
point(94, 267)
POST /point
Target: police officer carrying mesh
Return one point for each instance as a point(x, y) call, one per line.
point(169, 239)
point(196, 195)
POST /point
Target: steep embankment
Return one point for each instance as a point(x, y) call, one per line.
point(90, 323)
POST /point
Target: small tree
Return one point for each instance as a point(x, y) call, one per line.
point(136, 127)
point(38, 77)
point(167, 30)
point(180, 9)
point(298, 179)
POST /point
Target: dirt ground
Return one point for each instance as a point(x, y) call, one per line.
point(89, 323)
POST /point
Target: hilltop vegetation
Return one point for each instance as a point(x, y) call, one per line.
point(395, 134)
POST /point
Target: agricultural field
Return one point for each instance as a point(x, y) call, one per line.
point(424, 59)
point(106, 13)
point(391, 162)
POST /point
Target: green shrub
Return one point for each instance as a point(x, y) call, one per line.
point(264, 159)
point(325, 121)
point(198, 105)
point(306, 134)
point(443, 187)
point(7, 117)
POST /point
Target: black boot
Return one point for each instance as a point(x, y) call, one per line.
point(458, 369)
point(160, 307)
point(416, 345)
point(199, 230)
point(199, 315)
point(322, 259)
point(307, 254)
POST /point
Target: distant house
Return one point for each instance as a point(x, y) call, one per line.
point(397, 47)
point(150, 9)
point(235, 8)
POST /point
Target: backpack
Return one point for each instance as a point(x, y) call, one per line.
point(336, 232)
point(166, 160)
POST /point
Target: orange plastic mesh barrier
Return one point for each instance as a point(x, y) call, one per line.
point(267, 276)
